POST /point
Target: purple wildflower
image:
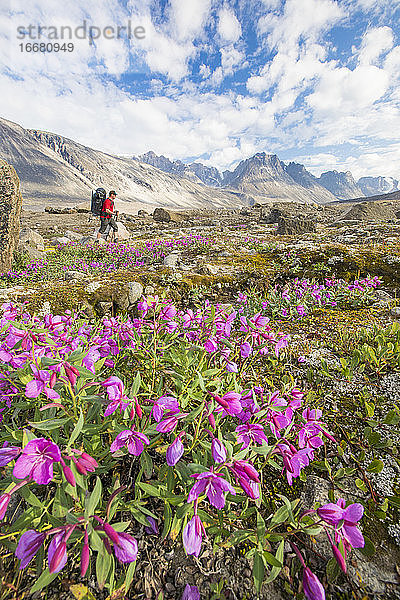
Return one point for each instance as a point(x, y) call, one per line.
point(218, 451)
point(250, 433)
point(230, 402)
point(4, 501)
point(312, 586)
point(40, 384)
point(163, 404)
point(245, 350)
point(170, 422)
point(57, 553)
point(153, 527)
point(191, 592)
point(8, 453)
point(29, 543)
point(127, 549)
point(213, 485)
point(192, 536)
point(36, 461)
point(133, 440)
point(174, 452)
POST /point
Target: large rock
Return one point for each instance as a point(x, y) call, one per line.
point(135, 291)
point(370, 211)
point(123, 232)
point(10, 212)
point(162, 215)
point(29, 237)
point(295, 225)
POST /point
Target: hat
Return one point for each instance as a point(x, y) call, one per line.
point(112, 192)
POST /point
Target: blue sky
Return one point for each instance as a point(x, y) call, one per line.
point(315, 81)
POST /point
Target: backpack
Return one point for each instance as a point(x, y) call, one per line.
point(98, 198)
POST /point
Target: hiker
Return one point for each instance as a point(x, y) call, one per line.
point(107, 215)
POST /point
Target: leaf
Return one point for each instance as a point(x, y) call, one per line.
point(94, 499)
point(151, 490)
point(271, 559)
point(239, 536)
point(332, 570)
point(167, 521)
point(27, 437)
point(258, 571)
point(276, 570)
point(45, 578)
point(392, 418)
point(30, 497)
point(361, 485)
point(129, 576)
point(375, 466)
point(369, 548)
point(260, 527)
point(103, 564)
point(201, 381)
point(49, 424)
point(394, 501)
point(77, 429)
point(280, 515)
point(147, 464)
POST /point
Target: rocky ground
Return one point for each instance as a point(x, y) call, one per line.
point(254, 249)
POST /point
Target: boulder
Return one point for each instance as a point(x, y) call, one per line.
point(163, 215)
point(59, 240)
point(70, 275)
point(29, 237)
point(123, 232)
point(10, 213)
point(142, 213)
point(135, 291)
point(60, 211)
point(171, 260)
point(295, 225)
point(370, 211)
point(72, 235)
point(270, 216)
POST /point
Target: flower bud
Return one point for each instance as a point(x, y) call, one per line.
point(138, 409)
point(85, 555)
point(53, 379)
point(339, 558)
point(4, 500)
point(218, 451)
point(111, 533)
point(211, 420)
point(57, 557)
point(68, 474)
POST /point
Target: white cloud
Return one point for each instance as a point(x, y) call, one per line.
point(374, 43)
point(313, 99)
point(230, 58)
point(189, 17)
point(369, 163)
point(392, 63)
point(301, 20)
point(229, 27)
point(204, 71)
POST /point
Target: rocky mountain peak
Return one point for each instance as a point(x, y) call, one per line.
point(371, 186)
point(340, 184)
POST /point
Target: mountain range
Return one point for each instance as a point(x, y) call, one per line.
point(55, 170)
point(341, 184)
